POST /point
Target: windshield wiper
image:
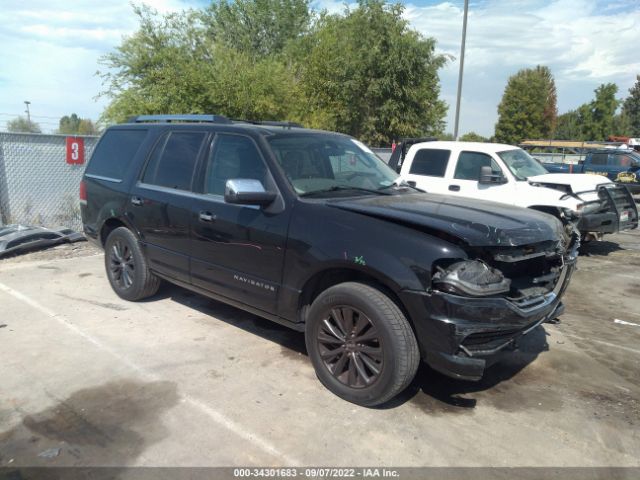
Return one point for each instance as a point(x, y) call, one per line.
point(339, 188)
point(402, 184)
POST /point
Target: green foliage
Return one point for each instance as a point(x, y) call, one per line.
point(369, 75)
point(447, 137)
point(569, 127)
point(595, 120)
point(631, 109)
point(473, 137)
point(258, 27)
point(528, 107)
point(364, 73)
point(22, 125)
point(72, 124)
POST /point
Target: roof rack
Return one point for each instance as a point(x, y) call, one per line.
point(191, 118)
point(270, 123)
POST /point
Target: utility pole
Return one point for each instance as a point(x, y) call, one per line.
point(27, 103)
point(464, 38)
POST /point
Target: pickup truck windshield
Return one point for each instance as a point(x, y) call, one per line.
point(330, 165)
point(521, 164)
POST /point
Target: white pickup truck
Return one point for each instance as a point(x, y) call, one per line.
point(508, 174)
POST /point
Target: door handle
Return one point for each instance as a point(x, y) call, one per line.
point(207, 217)
point(454, 188)
point(137, 201)
point(411, 183)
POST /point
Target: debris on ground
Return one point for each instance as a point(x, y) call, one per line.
point(17, 239)
point(50, 453)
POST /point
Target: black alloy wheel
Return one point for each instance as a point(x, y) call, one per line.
point(127, 267)
point(361, 345)
point(121, 264)
point(350, 347)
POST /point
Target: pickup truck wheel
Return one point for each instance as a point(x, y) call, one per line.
point(360, 344)
point(127, 268)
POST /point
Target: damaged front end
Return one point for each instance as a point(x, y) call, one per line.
point(483, 304)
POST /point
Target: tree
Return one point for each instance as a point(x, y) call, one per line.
point(22, 125)
point(445, 137)
point(631, 108)
point(597, 117)
point(473, 137)
point(528, 107)
point(171, 65)
point(72, 124)
point(369, 75)
point(569, 127)
point(364, 72)
point(258, 27)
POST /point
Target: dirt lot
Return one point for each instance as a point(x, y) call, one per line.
point(89, 379)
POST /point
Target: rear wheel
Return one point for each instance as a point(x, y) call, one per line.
point(360, 344)
point(126, 266)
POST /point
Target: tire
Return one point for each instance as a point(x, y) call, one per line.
point(380, 339)
point(127, 268)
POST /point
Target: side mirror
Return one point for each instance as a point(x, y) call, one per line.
point(487, 176)
point(247, 191)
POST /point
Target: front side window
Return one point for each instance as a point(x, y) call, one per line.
point(623, 160)
point(521, 164)
point(430, 162)
point(470, 163)
point(173, 160)
point(233, 156)
point(325, 162)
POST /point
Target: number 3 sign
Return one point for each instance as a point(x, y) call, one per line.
point(75, 150)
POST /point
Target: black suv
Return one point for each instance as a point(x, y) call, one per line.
point(311, 230)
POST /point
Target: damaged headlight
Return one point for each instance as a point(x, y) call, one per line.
point(471, 277)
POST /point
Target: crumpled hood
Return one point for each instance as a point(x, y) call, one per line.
point(476, 222)
point(580, 182)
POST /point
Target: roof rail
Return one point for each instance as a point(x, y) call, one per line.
point(190, 118)
point(271, 123)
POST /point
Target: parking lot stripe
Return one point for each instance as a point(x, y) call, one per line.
point(613, 345)
point(213, 414)
point(624, 322)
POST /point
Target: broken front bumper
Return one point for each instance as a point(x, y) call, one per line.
point(460, 336)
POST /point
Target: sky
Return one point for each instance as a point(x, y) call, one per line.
point(49, 50)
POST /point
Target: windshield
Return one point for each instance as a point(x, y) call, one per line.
point(521, 164)
point(330, 163)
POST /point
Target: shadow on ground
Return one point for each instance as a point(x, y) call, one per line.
point(431, 391)
point(600, 248)
point(93, 426)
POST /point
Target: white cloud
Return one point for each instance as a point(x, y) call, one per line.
point(49, 50)
point(583, 43)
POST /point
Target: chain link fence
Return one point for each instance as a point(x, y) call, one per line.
point(37, 185)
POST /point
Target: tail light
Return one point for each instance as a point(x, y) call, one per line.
point(83, 193)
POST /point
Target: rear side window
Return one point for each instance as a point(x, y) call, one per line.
point(470, 163)
point(173, 160)
point(430, 162)
point(599, 158)
point(115, 153)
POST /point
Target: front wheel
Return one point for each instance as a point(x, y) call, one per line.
point(126, 266)
point(360, 344)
